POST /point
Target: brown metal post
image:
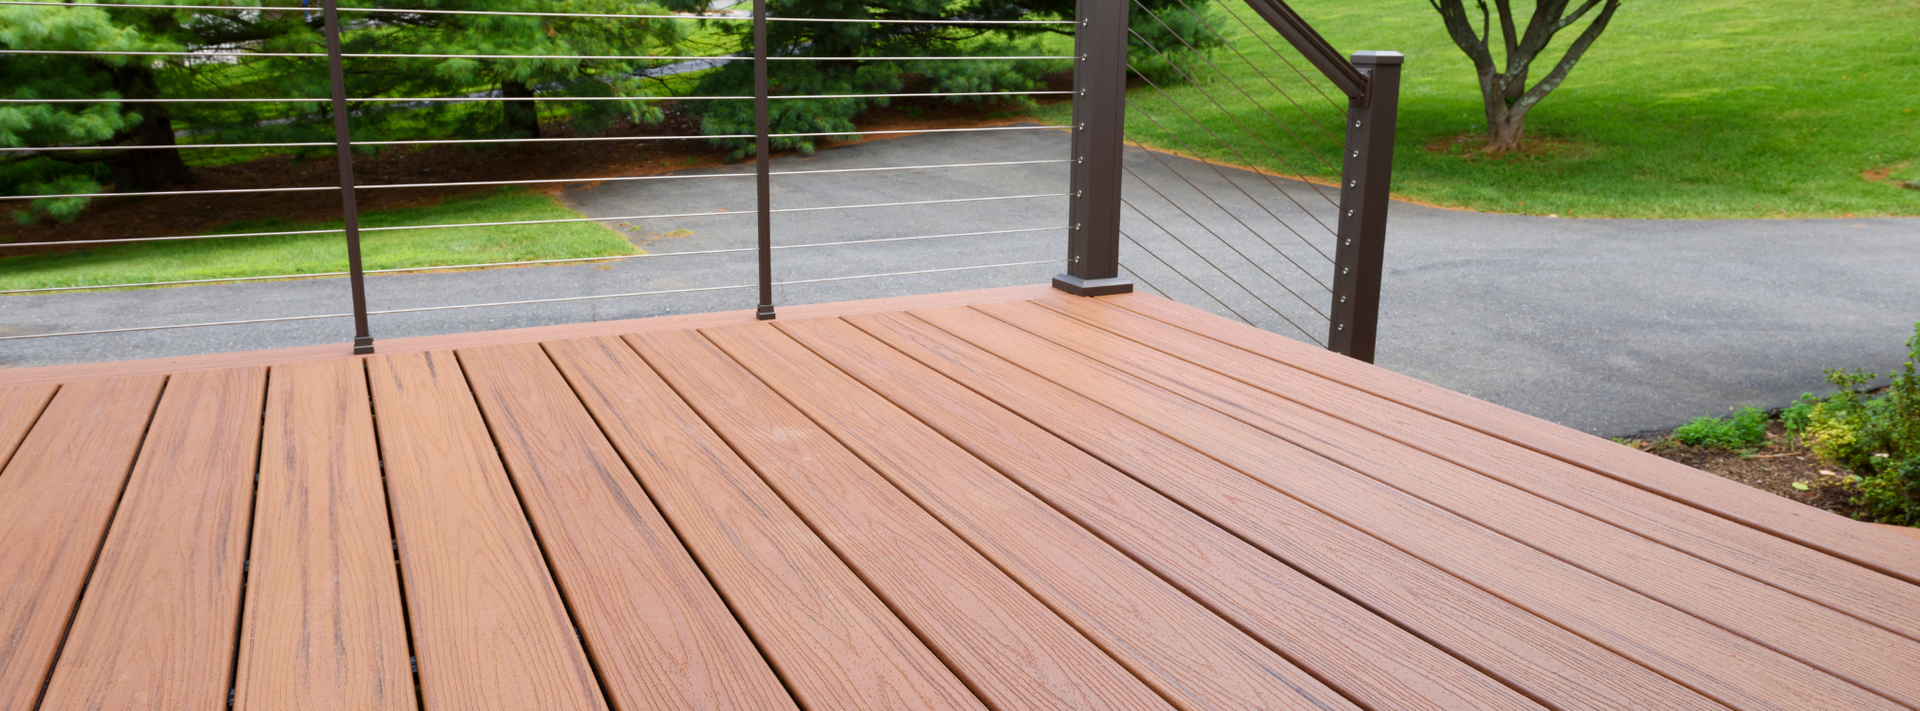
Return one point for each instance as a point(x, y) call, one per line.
point(763, 166)
point(1099, 118)
point(343, 141)
point(1363, 207)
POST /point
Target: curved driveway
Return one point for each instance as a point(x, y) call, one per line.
point(1610, 326)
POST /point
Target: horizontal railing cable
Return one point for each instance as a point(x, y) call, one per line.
point(522, 302)
point(623, 57)
point(168, 193)
point(524, 263)
point(515, 223)
point(384, 99)
point(386, 10)
point(1243, 92)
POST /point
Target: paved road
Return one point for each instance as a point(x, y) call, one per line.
point(1610, 326)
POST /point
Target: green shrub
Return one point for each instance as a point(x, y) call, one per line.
point(1877, 436)
point(1744, 430)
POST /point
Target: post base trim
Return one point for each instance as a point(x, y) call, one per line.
point(1092, 287)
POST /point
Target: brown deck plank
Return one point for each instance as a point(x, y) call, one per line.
point(1841, 644)
point(1841, 585)
point(1010, 649)
point(1185, 651)
point(1727, 667)
point(1366, 658)
point(1889, 553)
point(57, 495)
point(1506, 641)
point(156, 626)
point(489, 629)
point(659, 635)
point(322, 627)
point(19, 407)
point(834, 644)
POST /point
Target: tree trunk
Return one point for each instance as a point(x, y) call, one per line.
point(139, 171)
point(1506, 123)
point(522, 117)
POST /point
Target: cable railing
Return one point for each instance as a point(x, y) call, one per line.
point(1274, 246)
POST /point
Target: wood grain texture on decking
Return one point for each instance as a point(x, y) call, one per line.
point(1193, 657)
point(156, 627)
point(1010, 649)
point(1512, 644)
point(20, 406)
point(1726, 666)
point(659, 635)
point(833, 643)
point(1840, 644)
point(1844, 586)
point(1880, 550)
point(323, 626)
point(489, 629)
point(1368, 659)
point(57, 494)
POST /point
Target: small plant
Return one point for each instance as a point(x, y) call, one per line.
point(1746, 429)
point(1877, 436)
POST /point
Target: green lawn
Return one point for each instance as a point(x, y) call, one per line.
point(265, 256)
point(1683, 108)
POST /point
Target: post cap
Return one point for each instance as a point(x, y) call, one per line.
point(1373, 58)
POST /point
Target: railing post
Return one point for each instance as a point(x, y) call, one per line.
point(763, 165)
point(350, 211)
point(1363, 207)
point(1099, 117)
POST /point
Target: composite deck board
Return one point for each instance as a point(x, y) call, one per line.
point(1011, 650)
point(1673, 642)
point(57, 495)
point(156, 626)
point(1881, 550)
point(322, 626)
point(834, 644)
point(659, 635)
point(1145, 623)
point(1506, 641)
point(1841, 585)
point(489, 629)
point(1838, 643)
point(20, 406)
point(1366, 658)
point(1000, 499)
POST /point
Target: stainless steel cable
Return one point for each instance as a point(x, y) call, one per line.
point(518, 303)
point(1162, 93)
point(923, 22)
point(1236, 282)
point(612, 57)
point(1183, 275)
point(1275, 51)
point(1236, 186)
point(530, 262)
point(1263, 75)
point(1222, 240)
point(1236, 218)
point(1236, 85)
point(166, 193)
point(397, 11)
point(387, 99)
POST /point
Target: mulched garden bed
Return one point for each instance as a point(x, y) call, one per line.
point(1776, 467)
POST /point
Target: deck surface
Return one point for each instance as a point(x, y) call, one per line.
point(1018, 500)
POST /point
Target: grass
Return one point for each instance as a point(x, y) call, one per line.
point(1682, 109)
point(266, 256)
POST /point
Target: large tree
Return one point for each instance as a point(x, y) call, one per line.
point(1503, 89)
